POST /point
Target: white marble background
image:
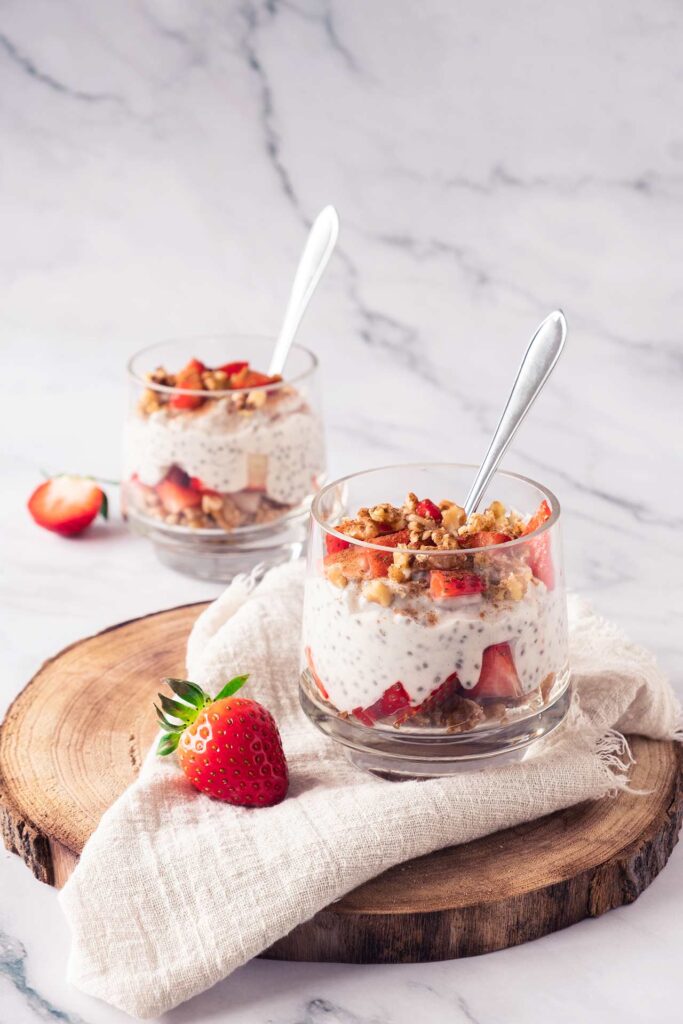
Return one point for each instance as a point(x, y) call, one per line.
point(159, 163)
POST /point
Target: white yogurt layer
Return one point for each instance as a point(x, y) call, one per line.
point(360, 648)
point(229, 451)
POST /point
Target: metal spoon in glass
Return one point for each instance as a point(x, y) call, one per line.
point(319, 246)
point(538, 363)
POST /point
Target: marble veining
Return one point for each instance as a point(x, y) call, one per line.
point(161, 161)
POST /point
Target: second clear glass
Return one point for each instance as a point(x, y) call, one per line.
point(220, 476)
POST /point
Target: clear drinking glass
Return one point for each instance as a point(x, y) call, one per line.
point(221, 478)
point(461, 664)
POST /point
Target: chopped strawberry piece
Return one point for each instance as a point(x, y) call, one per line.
point(483, 539)
point(540, 557)
point(498, 679)
point(246, 378)
point(541, 562)
point(428, 510)
point(67, 504)
point(334, 544)
point(176, 492)
point(198, 485)
point(189, 379)
point(316, 678)
point(360, 563)
point(445, 698)
point(392, 540)
point(447, 583)
point(232, 368)
point(542, 513)
point(393, 700)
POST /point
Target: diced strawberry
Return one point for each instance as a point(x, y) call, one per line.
point(198, 485)
point(392, 540)
point(540, 557)
point(316, 678)
point(189, 379)
point(67, 504)
point(498, 679)
point(428, 510)
point(393, 700)
point(232, 368)
point(542, 513)
point(360, 563)
point(447, 583)
point(483, 539)
point(246, 378)
point(443, 699)
point(176, 492)
point(334, 544)
point(541, 562)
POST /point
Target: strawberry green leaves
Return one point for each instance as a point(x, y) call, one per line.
point(232, 687)
point(168, 743)
point(189, 692)
point(178, 712)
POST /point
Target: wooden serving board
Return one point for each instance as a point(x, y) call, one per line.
point(67, 751)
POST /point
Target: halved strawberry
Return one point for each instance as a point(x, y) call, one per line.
point(316, 678)
point(428, 510)
point(360, 563)
point(498, 679)
point(394, 699)
point(483, 539)
point(190, 379)
point(540, 557)
point(334, 544)
point(176, 492)
point(232, 368)
point(67, 504)
point(450, 583)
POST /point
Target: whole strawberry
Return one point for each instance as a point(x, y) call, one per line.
point(228, 747)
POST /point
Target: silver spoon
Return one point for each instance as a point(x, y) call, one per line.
point(538, 363)
point(319, 246)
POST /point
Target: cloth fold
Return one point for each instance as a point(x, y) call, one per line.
point(174, 891)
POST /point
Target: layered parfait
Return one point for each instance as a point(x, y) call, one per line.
point(417, 617)
point(220, 448)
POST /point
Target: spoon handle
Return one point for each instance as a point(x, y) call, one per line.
point(321, 241)
point(539, 360)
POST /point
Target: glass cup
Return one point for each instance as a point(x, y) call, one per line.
point(221, 478)
point(427, 662)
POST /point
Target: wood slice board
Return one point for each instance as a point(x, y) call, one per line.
point(67, 751)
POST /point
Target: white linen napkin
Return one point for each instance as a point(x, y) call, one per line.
point(175, 890)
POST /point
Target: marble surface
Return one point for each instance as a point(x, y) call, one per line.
point(160, 162)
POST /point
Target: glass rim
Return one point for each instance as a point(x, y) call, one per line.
point(431, 552)
point(204, 392)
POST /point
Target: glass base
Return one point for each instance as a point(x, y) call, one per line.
point(395, 754)
point(218, 556)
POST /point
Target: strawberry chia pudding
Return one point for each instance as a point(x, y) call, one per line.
point(220, 448)
point(417, 617)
